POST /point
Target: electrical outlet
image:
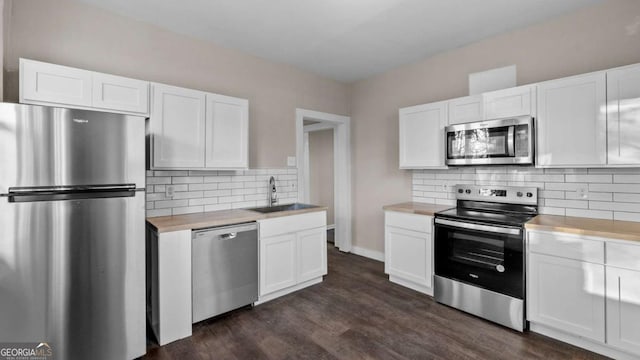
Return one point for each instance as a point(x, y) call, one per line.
point(582, 192)
point(445, 187)
point(170, 191)
point(291, 161)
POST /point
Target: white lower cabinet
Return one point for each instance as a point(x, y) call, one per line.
point(409, 250)
point(577, 294)
point(278, 263)
point(567, 294)
point(293, 253)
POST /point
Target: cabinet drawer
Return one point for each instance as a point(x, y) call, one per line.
point(623, 255)
point(567, 246)
point(421, 223)
point(293, 223)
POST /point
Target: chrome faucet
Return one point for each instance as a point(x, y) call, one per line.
point(273, 195)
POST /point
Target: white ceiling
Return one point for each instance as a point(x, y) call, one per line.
point(346, 40)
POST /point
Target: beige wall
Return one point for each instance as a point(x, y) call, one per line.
point(594, 38)
point(79, 35)
point(321, 170)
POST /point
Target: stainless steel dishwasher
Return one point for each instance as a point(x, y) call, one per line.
point(224, 269)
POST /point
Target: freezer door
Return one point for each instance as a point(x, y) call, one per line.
point(46, 146)
point(72, 275)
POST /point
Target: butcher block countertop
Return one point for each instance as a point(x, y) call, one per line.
point(218, 218)
point(614, 229)
point(417, 208)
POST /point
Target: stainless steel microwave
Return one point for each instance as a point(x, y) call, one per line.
point(501, 141)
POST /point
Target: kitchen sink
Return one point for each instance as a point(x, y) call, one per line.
point(285, 207)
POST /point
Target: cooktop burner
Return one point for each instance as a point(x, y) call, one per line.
point(512, 206)
point(502, 218)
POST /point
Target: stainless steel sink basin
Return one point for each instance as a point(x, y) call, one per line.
point(285, 207)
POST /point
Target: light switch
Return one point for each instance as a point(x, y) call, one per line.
point(291, 161)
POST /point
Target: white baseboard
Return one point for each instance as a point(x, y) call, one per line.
point(371, 254)
point(411, 285)
point(268, 297)
point(584, 343)
point(331, 227)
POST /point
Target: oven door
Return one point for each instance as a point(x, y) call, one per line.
point(504, 141)
point(488, 256)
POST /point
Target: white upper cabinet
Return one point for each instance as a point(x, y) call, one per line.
point(422, 135)
point(118, 93)
point(196, 130)
point(515, 101)
point(227, 132)
point(48, 84)
point(55, 85)
point(466, 109)
point(572, 128)
point(177, 125)
point(623, 112)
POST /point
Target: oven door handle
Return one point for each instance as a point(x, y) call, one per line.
point(470, 226)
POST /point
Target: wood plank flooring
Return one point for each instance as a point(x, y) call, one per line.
point(356, 313)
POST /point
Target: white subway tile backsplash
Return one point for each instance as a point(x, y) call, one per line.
point(626, 216)
point(631, 188)
point(187, 210)
point(625, 197)
point(610, 192)
point(635, 179)
point(604, 178)
point(598, 214)
point(599, 196)
point(186, 179)
point(198, 191)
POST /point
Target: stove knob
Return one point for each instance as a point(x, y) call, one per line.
point(519, 194)
point(529, 194)
point(468, 191)
point(460, 191)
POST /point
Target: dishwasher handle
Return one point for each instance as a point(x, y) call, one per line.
point(224, 232)
point(228, 236)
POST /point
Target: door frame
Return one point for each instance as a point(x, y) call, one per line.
point(341, 164)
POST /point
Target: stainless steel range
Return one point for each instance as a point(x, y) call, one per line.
point(479, 252)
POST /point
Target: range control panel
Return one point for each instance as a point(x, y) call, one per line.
point(505, 194)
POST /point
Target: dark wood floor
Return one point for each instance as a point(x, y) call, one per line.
point(356, 313)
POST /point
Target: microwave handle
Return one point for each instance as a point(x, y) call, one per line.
point(511, 141)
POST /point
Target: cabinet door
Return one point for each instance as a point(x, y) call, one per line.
point(227, 129)
point(43, 83)
point(572, 128)
point(623, 111)
point(422, 135)
point(515, 101)
point(567, 295)
point(466, 109)
point(177, 124)
point(623, 309)
point(312, 254)
point(408, 255)
point(118, 93)
point(277, 263)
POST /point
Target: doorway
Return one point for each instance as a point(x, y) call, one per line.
point(338, 128)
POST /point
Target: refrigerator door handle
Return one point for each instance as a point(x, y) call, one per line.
point(70, 192)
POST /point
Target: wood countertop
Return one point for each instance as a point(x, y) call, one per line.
point(417, 208)
point(218, 218)
point(614, 229)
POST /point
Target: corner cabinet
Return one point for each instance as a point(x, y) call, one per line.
point(572, 123)
point(422, 135)
point(408, 250)
point(195, 130)
point(293, 253)
point(56, 85)
point(585, 290)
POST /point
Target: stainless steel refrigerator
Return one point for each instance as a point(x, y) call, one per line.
point(72, 231)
